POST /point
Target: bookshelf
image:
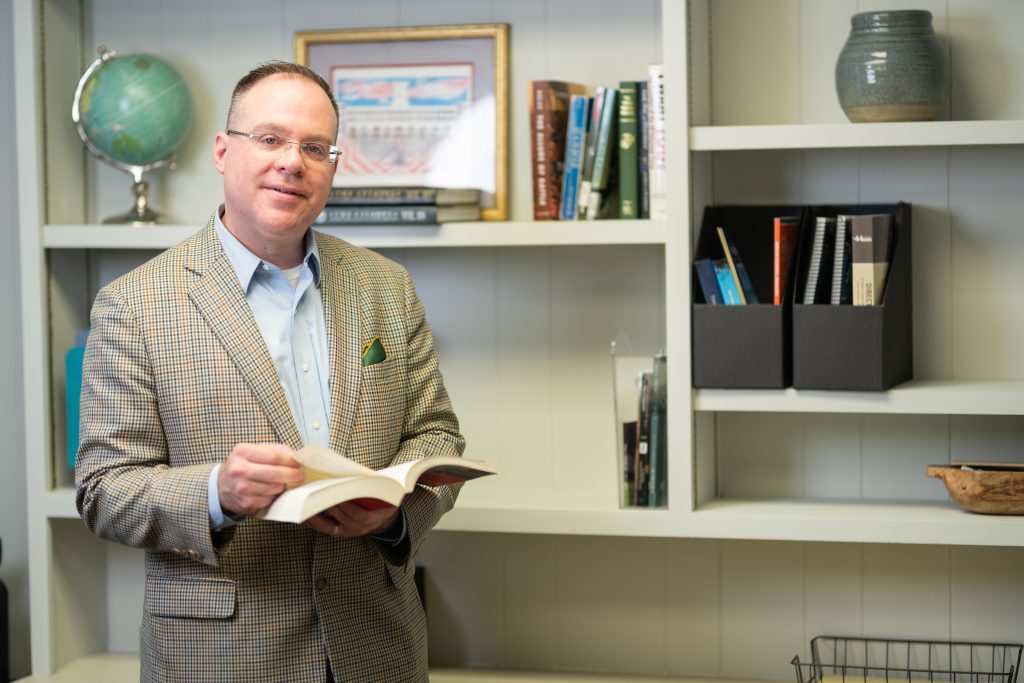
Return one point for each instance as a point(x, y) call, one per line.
point(806, 509)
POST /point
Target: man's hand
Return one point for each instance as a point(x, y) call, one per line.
point(350, 520)
point(253, 475)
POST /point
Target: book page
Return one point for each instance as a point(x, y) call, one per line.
point(320, 462)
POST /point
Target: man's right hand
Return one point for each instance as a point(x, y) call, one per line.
point(253, 475)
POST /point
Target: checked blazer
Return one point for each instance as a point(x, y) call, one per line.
point(176, 373)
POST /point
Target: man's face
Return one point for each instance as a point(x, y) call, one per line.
point(270, 198)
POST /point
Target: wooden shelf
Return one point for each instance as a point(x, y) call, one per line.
point(856, 136)
point(475, 234)
point(925, 397)
point(940, 523)
point(101, 668)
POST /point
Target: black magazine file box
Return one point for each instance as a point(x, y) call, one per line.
point(743, 347)
point(865, 348)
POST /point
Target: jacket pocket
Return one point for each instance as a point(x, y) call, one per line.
point(196, 598)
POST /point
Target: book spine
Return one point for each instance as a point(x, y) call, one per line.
point(656, 161)
point(644, 190)
point(783, 244)
point(642, 468)
point(708, 281)
point(871, 237)
point(727, 284)
point(377, 215)
point(376, 196)
point(549, 105)
point(579, 109)
point(604, 155)
point(629, 150)
point(589, 150)
point(629, 430)
point(658, 486)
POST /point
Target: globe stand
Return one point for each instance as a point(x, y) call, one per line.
point(140, 213)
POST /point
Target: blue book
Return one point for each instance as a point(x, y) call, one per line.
point(708, 280)
point(727, 284)
point(579, 110)
point(73, 393)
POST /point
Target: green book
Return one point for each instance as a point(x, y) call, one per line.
point(629, 150)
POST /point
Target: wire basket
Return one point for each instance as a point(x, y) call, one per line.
point(838, 659)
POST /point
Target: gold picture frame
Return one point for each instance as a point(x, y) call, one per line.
point(442, 134)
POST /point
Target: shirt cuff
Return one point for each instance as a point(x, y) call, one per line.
point(218, 519)
point(397, 537)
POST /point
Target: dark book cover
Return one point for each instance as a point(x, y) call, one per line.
point(645, 150)
point(629, 150)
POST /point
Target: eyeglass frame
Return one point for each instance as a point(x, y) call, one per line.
point(332, 150)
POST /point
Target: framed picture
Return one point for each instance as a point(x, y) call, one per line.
point(420, 106)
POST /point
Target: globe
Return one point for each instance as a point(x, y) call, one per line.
point(133, 112)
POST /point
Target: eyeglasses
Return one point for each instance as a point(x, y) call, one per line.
point(316, 152)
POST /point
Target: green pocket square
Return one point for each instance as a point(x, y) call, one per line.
point(374, 353)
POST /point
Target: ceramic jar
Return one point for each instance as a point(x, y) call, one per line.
point(892, 68)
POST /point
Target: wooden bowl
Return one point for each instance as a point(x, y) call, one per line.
point(988, 491)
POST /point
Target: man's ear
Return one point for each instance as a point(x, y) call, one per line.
point(220, 148)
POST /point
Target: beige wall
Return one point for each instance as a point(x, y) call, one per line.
point(14, 568)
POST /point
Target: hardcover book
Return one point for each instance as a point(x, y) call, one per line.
point(576, 133)
point(783, 246)
point(629, 150)
point(331, 479)
point(656, 157)
point(643, 129)
point(871, 235)
point(397, 215)
point(589, 152)
point(604, 148)
point(429, 196)
point(708, 281)
point(549, 115)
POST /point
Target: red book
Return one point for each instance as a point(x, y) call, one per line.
point(549, 120)
point(784, 242)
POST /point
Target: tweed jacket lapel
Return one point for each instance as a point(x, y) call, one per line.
point(345, 317)
point(219, 297)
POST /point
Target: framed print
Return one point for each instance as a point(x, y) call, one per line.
point(420, 106)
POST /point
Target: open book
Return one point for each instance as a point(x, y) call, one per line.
point(331, 478)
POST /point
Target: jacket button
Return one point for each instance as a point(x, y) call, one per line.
point(321, 585)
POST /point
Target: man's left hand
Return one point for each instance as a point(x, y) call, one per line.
point(351, 520)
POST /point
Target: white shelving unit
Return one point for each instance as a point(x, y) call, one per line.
point(539, 569)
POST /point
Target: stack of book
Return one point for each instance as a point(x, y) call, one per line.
point(399, 206)
point(600, 155)
point(645, 441)
point(849, 260)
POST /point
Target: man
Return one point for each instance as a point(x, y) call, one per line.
point(207, 366)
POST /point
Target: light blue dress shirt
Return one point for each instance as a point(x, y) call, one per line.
point(291, 319)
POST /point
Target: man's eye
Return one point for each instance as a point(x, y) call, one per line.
point(269, 141)
point(315, 149)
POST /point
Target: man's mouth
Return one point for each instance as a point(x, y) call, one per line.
point(285, 190)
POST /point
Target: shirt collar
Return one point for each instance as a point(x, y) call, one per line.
point(245, 263)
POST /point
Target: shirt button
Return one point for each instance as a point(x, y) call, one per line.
point(305, 367)
point(321, 585)
point(316, 424)
point(265, 267)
